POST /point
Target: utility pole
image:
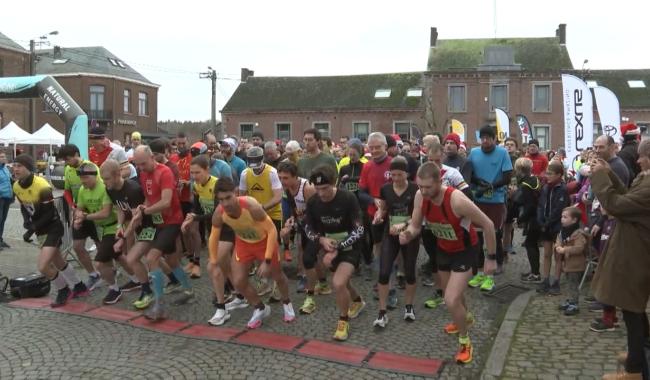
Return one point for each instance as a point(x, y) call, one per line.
point(32, 68)
point(212, 75)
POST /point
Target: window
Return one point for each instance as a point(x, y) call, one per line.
point(323, 127)
point(127, 101)
point(542, 98)
point(96, 98)
point(403, 129)
point(415, 92)
point(143, 107)
point(246, 130)
point(499, 96)
point(457, 98)
point(543, 134)
point(636, 84)
point(361, 130)
point(283, 131)
point(117, 63)
point(60, 61)
point(592, 83)
point(382, 93)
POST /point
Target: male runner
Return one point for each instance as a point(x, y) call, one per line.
point(450, 215)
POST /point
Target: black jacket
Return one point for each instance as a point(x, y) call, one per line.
point(629, 154)
point(526, 198)
point(552, 200)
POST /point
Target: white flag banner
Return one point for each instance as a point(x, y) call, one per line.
point(578, 117)
point(503, 124)
point(609, 112)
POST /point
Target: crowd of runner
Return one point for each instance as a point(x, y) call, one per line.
point(348, 207)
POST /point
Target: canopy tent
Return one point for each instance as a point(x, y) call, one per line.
point(13, 134)
point(46, 135)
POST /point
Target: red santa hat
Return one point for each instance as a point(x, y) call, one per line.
point(631, 130)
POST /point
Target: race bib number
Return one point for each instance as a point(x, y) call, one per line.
point(397, 219)
point(248, 234)
point(207, 207)
point(352, 186)
point(442, 231)
point(147, 234)
point(339, 237)
point(157, 218)
point(488, 194)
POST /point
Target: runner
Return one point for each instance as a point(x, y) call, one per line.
point(127, 195)
point(255, 239)
point(72, 157)
point(450, 215)
point(313, 155)
point(185, 196)
point(35, 197)
point(333, 221)
point(396, 206)
point(163, 206)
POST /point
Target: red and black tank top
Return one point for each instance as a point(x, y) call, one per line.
point(451, 233)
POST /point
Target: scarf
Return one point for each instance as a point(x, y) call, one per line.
point(27, 181)
point(566, 232)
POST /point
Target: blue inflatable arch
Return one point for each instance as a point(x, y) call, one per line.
point(48, 89)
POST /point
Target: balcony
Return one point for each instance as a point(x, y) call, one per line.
point(99, 115)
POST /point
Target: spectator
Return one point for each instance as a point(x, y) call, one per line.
point(605, 147)
point(540, 161)
point(136, 139)
point(628, 152)
point(453, 159)
point(525, 201)
point(257, 139)
point(99, 151)
point(272, 155)
point(314, 156)
point(6, 196)
point(292, 151)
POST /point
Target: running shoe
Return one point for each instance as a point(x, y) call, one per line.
point(572, 309)
point(309, 306)
point(289, 314)
point(62, 297)
point(381, 321)
point(392, 299)
point(156, 313)
point(427, 281)
point(130, 286)
point(465, 351)
point(287, 255)
point(302, 284)
point(564, 305)
point(342, 330)
point(409, 315)
point(196, 272)
point(258, 316)
point(94, 282)
point(401, 282)
point(236, 303)
point(477, 280)
point(356, 308)
point(144, 301)
point(322, 288)
point(488, 284)
point(80, 290)
point(112, 297)
point(219, 318)
point(596, 307)
point(275, 293)
point(544, 287)
point(554, 290)
point(451, 328)
point(524, 276)
point(434, 302)
point(601, 326)
point(186, 297)
point(532, 278)
point(172, 287)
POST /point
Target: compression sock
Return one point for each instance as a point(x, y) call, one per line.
point(158, 281)
point(179, 273)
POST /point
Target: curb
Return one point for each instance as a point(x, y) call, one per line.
point(499, 352)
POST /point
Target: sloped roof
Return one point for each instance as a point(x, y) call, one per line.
point(616, 80)
point(8, 43)
point(534, 54)
point(329, 92)
point(90, 60)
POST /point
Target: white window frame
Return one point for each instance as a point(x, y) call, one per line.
point(383, 93)
point(360, 122)
point(329, 127)
point(277, 135)
point(146, 104)
point(409, 122)
point(492, 107)
point(449, 86)
point(246, 123)
point(550, 96)
point(549, 136)
point(411, 92)
point(99, 107)
point(127, 109)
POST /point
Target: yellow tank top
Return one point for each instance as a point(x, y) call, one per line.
point(30, 196)
point(259, 187)
point(245, 227)
point(205, 194)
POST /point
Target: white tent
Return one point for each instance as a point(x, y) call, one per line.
point(46, 135)
point(13, 134)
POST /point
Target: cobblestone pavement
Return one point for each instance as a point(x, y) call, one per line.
point(424, 338)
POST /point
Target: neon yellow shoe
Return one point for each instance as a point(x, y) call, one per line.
point(342, 330)
point(144, 301)
point(322, 288)
point(477, 280)
point(309, 306)
point(356, 308)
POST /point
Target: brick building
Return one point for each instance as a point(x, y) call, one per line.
point(14, 62)
point(465, 79)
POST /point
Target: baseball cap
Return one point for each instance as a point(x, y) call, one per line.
point(230, 142)
point(198, 148)
point(292, 146)
point(255, 155)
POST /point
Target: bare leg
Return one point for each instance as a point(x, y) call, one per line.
point(454, 299)
point(340, 282)
point(133, 261)
point(240, 281)
point(107, 271)
point(83, 256)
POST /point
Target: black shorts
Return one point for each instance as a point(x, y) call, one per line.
point(227, 234)
point(186, 207)
point(458, 261)
point(165, 239)
point(377, 232)
point(353, 257)
point(548, 236)
point(87, 230)
point(278, 227)
point(53, 237)
point(105, 252)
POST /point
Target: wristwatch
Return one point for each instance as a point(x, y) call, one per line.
point(491, 256)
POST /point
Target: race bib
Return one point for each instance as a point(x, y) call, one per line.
point(488, 194)
point(207, 206)
point(147, 234)
point(248, 234)
point(397, 219)
point(352, 186)
point(339, 237)
point(442, 231)
point(157, 218)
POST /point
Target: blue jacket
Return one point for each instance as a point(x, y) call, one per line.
point(221, 169)
point(6, 190)
point(237, 164)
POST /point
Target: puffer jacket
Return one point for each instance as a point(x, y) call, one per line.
point(552, 200)
point(576, 250)
point(6, 189)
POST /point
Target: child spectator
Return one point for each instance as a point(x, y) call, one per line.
point(525, 202)
point(571, 250)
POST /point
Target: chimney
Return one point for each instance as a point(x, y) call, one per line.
point(245, 73)
point(434, 36)
point(57, 52)
point(561, 34)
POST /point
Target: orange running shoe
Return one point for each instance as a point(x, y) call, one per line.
point(465, 351)
point(287, 256)
point(451, 328)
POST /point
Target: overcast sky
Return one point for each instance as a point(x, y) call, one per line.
point(170, 46)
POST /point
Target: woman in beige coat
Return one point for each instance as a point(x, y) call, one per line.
point(623, 275)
